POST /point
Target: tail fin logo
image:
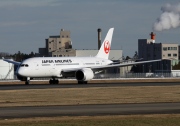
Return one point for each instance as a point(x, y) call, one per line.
point(106, 46)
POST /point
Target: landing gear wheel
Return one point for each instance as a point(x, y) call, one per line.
point(50, 81)
point(82, 82)
point(27, 82)
point(56, 81)
point(53, 81)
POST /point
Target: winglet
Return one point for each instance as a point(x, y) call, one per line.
point(106, 45)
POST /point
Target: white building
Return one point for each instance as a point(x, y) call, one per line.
point(6, 70)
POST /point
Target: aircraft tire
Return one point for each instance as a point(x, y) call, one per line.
point(56, 81)
point(82, 82)
point(27, 82)
point(50, 81)
point(53, 81)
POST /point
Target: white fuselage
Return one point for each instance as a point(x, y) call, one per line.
point(52, 66)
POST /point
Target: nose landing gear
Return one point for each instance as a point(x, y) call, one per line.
point(27, 81)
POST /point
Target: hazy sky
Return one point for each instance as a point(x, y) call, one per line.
point(25, 24)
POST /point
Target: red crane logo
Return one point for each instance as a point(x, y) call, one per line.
point(106, 47)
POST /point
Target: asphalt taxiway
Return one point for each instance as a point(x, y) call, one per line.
point(89, 110)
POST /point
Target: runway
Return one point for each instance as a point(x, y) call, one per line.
point(45, 86)
point(89, 110)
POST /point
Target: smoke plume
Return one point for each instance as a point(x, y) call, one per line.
point(170, 18)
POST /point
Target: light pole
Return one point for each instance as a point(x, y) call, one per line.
point(162, 68)
point(149, 68)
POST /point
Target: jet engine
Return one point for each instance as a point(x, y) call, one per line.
point(84, 74)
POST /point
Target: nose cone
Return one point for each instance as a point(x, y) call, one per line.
point(21, 72)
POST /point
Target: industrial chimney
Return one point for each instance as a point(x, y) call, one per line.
point(153, 36)
point(99, 38)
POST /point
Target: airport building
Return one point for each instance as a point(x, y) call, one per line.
point(58, 46)
point(6, 70)
point(148, 49)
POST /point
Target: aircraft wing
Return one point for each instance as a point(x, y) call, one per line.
point(123, 64)
point(96, 68)
point(11, 61)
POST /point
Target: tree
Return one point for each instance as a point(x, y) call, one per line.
point(135, 55)
point(127, 57)
point(22, 56)
point(176, 66)
point(4, 54)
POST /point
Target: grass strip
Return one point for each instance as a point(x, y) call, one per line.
point(92, 95)
point(132, 120)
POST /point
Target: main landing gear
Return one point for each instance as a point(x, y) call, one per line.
point(53, 81)
point(27, 82)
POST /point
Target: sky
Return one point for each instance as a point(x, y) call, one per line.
point(25, 24)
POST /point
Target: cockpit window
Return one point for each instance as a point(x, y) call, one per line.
point(24, 65)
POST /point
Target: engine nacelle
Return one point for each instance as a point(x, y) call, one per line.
point(84, 74)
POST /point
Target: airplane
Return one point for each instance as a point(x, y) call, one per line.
point(82, 68)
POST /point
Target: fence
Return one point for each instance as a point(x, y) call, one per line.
point(138, 75)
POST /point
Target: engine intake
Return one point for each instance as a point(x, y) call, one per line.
point(84, 74)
